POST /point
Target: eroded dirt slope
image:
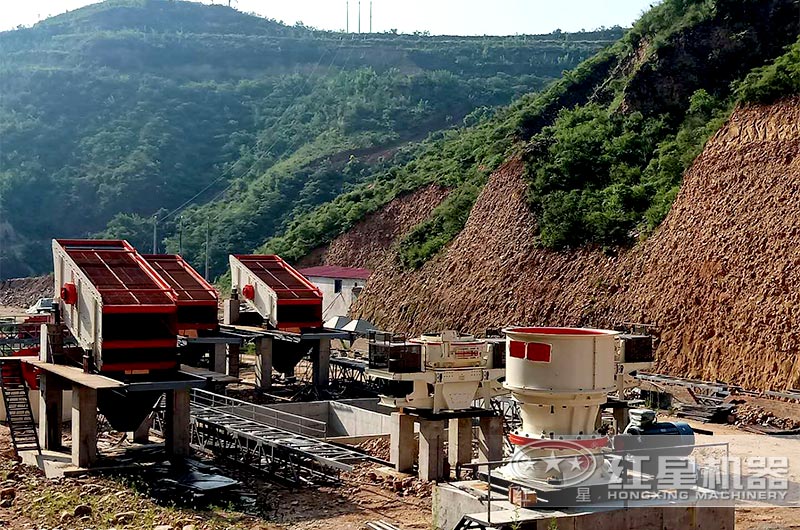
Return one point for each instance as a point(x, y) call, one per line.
point(22, 292)
point(366, 244)
point(720, 277)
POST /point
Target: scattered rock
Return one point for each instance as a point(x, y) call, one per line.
point(163, 527)
point(124, 517)
point(23, 292)
point(748, 414)
point(82, 510)
point(65, 517)
point(8, 493)
point(6, 503)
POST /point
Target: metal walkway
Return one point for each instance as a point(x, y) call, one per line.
point(18, 336)
point(18, 406)
point(273, 441)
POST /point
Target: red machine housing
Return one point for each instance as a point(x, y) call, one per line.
point(117, 307)
point(197, 300)
point(282, 296)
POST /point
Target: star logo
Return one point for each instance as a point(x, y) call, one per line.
point(575, 463)
point(552, 462)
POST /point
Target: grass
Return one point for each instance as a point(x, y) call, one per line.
point(51, 504)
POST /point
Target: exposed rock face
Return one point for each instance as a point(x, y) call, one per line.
point(720, 276)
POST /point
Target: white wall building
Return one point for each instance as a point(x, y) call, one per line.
point(340, 286)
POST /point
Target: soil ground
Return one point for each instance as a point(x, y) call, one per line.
point(43, 504)
point(742, 445)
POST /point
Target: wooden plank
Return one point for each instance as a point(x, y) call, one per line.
point(77, 376)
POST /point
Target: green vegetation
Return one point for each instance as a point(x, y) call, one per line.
point(129, 109)
point(771, 82)
point(607, 173)
point(605, 146)
point(278, 138)
point(601, 177)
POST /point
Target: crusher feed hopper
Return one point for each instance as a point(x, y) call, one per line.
point(197, 300)
point(283, 297)
point(120, 311)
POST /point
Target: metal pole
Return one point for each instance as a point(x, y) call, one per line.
point(155, 234)
point(180, 235)
point(370, 16)
point(359, 17)
point(347, 16)
point(489, 494)
point(208, 231)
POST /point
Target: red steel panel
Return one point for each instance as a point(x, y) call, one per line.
point(539, 352)
point(120, 275)
point(517, 349)
point(190, 287)
point(287, 283)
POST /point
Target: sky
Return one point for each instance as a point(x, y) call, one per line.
point(439, 17)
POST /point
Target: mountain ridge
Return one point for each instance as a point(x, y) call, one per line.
point(129, 109)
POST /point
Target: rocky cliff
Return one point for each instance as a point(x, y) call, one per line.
point(719, 278)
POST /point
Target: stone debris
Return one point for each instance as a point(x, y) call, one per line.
point(751, 415)
point(402, 484)
point(24, 292)
point(377, 447)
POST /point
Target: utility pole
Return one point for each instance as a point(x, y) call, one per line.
point(370, 16)
point(359, 17)
point(155, 234)
point(208, 231)
point(347, 16)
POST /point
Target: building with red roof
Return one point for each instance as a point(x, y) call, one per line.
point(340, 286)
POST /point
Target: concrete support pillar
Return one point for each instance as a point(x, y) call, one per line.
point(431, 450)
point(621, 418)
point(401, 442)
point(142, 433)
point(321, 363)
point(219, 361)
point(84, 426)
point(490, 439)
point(459, 441)
point(264, 362)
point(51, 407)
point(230, 311)
point(177, 422)
point(233, 359)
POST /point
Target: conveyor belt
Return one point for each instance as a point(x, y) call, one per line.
point(252, 436)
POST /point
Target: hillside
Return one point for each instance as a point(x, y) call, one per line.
point(126, 109)
point(590, 219)
point(718, 278)
point(604, 148)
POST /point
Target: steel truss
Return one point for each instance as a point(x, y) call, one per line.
point(247, 434)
